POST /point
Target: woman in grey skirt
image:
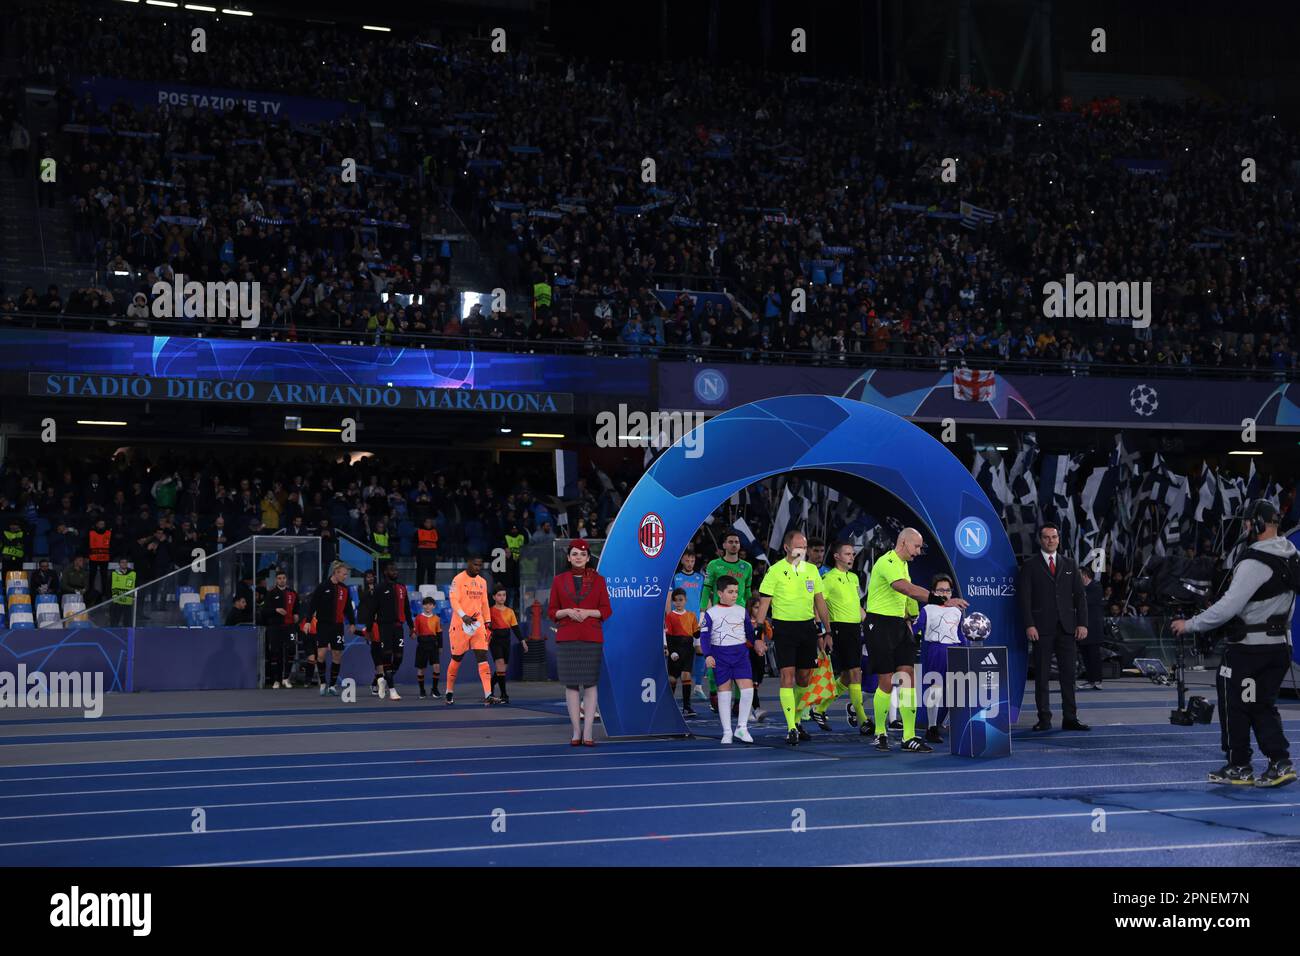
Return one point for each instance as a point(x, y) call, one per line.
point(579, 606)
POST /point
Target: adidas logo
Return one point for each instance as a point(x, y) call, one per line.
point(989, 660)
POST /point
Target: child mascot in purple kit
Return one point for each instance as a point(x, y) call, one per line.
point(726, 632)
point(939, 628)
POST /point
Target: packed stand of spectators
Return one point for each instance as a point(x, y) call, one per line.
point(159, 510)
point(750, 194)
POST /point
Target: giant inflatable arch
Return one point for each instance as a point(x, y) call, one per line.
point(879, 459)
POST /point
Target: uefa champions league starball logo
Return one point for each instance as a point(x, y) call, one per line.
point(1144, 400)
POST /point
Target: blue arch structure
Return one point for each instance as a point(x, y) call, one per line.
point(836, 437)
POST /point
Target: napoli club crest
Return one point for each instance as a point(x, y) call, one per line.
point(651, 535)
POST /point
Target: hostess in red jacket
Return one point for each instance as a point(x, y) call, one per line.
point(585, 589)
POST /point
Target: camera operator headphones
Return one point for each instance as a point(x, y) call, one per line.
point(1260, 513)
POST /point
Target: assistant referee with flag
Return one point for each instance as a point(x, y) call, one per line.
point(792, 589)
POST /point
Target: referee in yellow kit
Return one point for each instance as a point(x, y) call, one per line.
point(891, 648)
point(792, 589)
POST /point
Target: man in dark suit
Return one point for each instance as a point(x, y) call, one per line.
point(1090, 646)
point(1055, 615)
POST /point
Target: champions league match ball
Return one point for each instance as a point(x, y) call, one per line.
point(976, 627)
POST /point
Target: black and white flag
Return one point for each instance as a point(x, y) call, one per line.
point(1207, 497)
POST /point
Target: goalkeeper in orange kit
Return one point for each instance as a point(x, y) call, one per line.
point(470, 615)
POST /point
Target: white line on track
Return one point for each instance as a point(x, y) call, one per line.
point(1074, 853)
point(514, 791)
point(1151, 746)
point(1066, 735)
point(559, 747)
point(725, 833)
point(606, 752)
point(32, 739)
point(702, 806)
point(583, 767)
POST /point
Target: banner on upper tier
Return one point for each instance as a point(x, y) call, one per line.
point(206, 99)
point(1040, 399)
point(232, 360)
point(142, 388)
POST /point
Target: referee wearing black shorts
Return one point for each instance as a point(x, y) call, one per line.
point(891, 647)
point(792, 589)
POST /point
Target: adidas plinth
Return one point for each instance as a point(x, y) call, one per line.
point(976, 690)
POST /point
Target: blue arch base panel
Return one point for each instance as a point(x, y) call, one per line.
point(772, 437)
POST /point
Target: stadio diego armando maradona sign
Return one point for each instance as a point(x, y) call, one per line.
point(141, 387)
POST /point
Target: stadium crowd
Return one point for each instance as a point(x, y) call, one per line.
point(156, 511)
point(543, 160)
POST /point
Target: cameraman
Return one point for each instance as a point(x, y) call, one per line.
point(1256, 613)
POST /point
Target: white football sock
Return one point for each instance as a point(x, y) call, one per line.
point(746, 702)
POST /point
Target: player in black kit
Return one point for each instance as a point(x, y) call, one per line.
point(367, 609)
point(332, 606)
point(393, 617)
point(281, 618)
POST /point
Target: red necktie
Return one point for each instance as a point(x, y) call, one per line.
point(1051, 564)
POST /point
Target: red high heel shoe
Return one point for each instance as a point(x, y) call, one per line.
point(589, 743)
point(575, 742)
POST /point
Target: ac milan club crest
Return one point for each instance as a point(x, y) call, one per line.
point(651, 535)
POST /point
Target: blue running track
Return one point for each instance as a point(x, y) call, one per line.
point(286, 778)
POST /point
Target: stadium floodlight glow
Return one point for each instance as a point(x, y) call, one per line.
point(505, 431)
point(119, 272)
point(367, 26)
point(89, 421)
point(200, 8)
point(237, 13)
point(542, 435)
point(1245, 453)
point(525, 443)
point(161, 3)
